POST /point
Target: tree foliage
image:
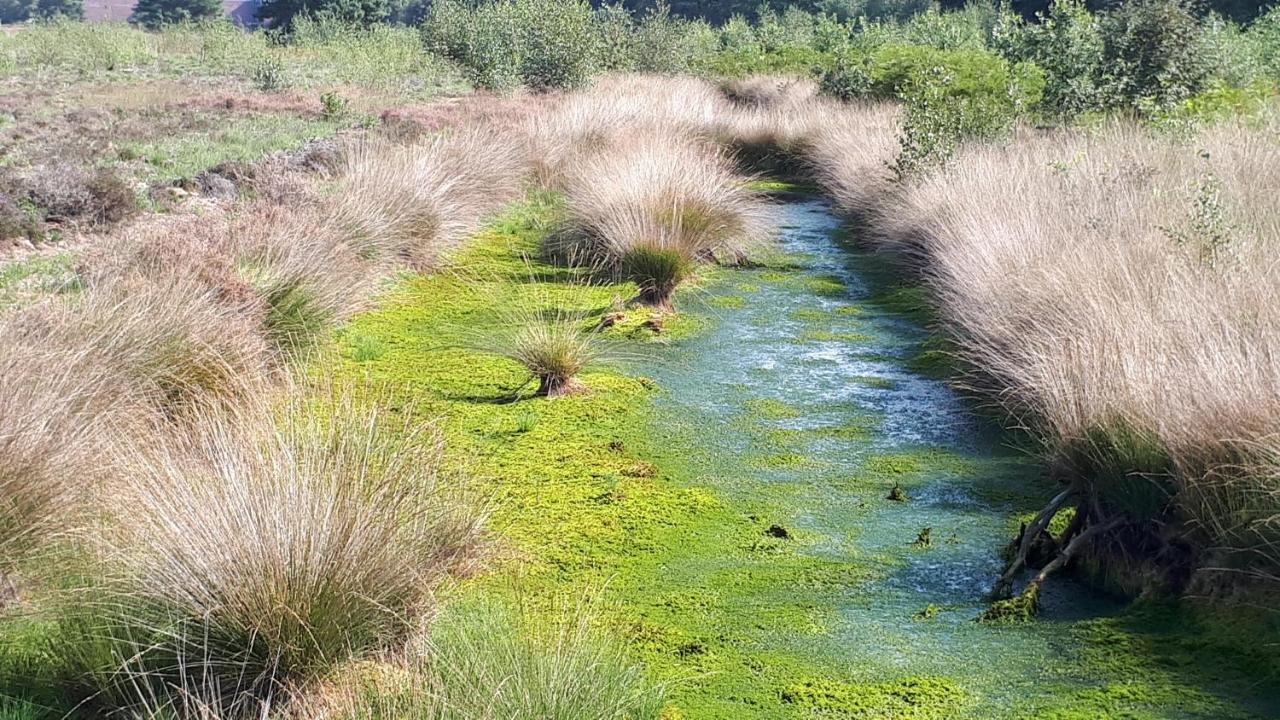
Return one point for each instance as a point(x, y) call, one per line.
point(155, 13)
point(281, 13)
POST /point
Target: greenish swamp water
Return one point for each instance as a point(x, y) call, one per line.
point(799, 407)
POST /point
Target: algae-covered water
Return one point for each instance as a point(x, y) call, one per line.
point(801, 405)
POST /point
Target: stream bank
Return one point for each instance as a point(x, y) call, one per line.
point(728, 488)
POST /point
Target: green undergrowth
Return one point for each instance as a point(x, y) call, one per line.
point(716, 595)
point(713, 578)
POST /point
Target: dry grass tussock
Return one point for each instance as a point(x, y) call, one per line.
point(1120, 292)
point(770, 91)
point(51, 423)
point(848, 150)
point(264, 546)
point(616, 108)
point(655, 204)
point(409, 203)
point(183, 311)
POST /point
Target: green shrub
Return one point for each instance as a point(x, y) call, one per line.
point(615, 31)
point(381, 55)
point(333, 105)
point(543, 44)
point(268, 74)
point(889, 71)
point(155, 13)
point(738, 34)
point(790, 60)
point(1153, 53)
point(79, 47)
point(15, 11)
point(848, 76)
point(1265, 32)
point(558, 43)
point(281, 14)
point(940, 116)
point(667, 44)
point(1232, 56)
point(1067, 44)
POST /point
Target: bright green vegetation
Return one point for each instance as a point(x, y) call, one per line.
point(36, 276)
point(756, 583)
point(244, 138)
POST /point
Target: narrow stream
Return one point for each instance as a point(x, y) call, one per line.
point(803, 400)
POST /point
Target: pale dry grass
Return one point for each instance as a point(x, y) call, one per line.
point(1124, 286)
point(849, 149)
point(410, 203)
point(266, 545)
point(662, 196)
point(616, 108)
point(52, 412)
point(770, 91)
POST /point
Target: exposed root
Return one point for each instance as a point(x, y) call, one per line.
point(1007, 608)
point(1030, 533)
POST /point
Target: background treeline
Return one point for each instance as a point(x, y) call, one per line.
point(721, 10)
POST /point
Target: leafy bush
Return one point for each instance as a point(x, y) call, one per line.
point(1232, 56)
point(282, 13)
point(939, 117)
point(667, 44)
point(1265, 32)
point(559, 43)
point(13, 11)
point(155, 13)
point(333, 105)
point(615, 37)
point(268, 74)
point(1153, 52)
point(891, 70)
point(797, 60)
point(848, 76)
point(1067, 44)
point(543, 44)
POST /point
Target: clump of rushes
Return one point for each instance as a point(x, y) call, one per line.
point(554, 343)
point(653, 206)
point(263, 548)
point(485, 661)
point(397, 203)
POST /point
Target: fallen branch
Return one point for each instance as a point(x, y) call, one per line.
point(1038, 525)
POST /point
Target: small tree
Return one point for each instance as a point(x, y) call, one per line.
point(1067, 44)
point(155, 13)
point(48, 9)
point(281, 13)
point(1154, 52)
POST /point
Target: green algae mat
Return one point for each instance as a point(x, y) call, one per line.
point(785, 516)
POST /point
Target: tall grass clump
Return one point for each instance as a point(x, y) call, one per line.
point(485, 661)
point(550, 335)
point(398, 203)
point(262, 548)
point(851, 154)
point(654, 205)
point(541, 44)
point(1119, 301)
point(52, 408)
point(616, 106)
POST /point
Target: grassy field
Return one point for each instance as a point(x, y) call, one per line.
point(327, 384)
